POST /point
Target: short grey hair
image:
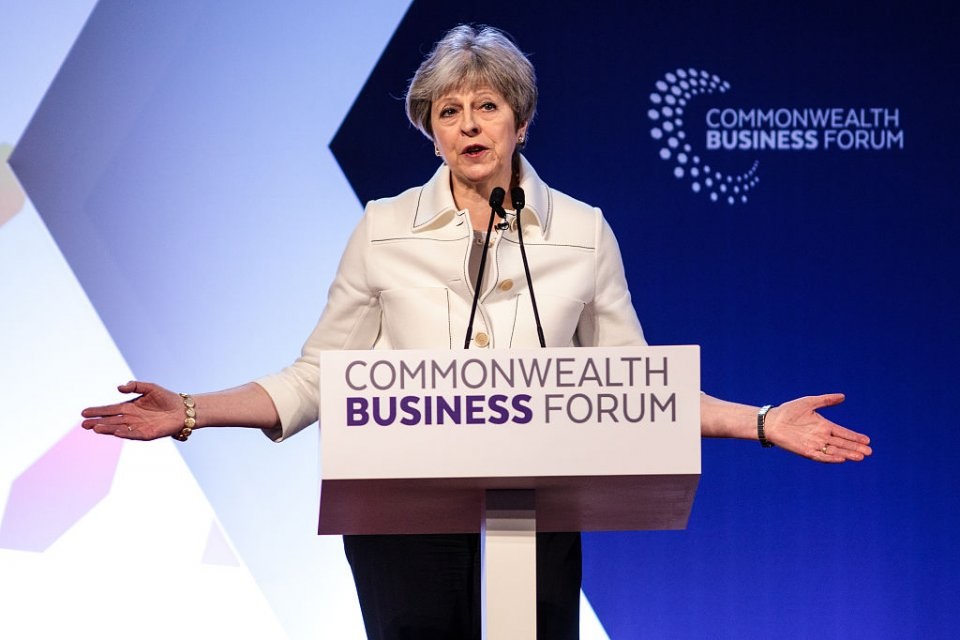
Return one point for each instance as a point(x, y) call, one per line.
point(469, 57)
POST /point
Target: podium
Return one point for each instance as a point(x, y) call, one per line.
point(507, 443)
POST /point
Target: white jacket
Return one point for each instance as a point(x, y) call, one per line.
point(402, 283)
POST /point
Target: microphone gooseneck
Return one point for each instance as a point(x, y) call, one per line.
point(519, 201)
point(496, 206)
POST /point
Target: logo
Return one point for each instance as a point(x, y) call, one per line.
point(737, 129)
point(507, 390)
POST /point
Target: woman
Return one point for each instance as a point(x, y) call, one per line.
point(405, 281)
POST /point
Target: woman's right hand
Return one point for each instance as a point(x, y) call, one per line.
point(155, 413)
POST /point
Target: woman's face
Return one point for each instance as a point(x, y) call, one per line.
point(475, 132)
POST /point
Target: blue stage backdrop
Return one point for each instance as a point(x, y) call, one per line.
point(781, 179)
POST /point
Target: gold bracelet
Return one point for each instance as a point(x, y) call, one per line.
point(190, 421)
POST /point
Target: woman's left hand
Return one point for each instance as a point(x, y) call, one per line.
point(796, 426)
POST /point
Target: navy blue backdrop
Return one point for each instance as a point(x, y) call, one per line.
point(838, 273)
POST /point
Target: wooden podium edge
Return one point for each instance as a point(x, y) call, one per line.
point(454, 505)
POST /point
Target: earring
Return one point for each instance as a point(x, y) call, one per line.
point(520, 140)
point(436, 151)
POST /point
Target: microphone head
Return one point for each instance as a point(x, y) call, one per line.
point(496, 197)
point(519, 201)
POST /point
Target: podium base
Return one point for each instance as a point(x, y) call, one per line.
point(508, 554)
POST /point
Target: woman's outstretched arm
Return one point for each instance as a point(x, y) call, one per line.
point(157, 412)
point(795, 426)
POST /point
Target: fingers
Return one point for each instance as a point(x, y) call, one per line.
point(851, 444)
point(113, 426)
point(825, 400)
point(154, 413)
point(848, 449)
point(837, 450)
point(833, 454)
point(831, 399)
point(849, 434)
point(828, 458)
point(134, 386)
point(800, 428)
point(119, 427)
point(106, 410)
point(106, 421)
point(842, 435)
point(110, 424)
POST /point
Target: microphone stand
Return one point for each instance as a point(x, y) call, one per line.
point(519, 200)
point(496, 202)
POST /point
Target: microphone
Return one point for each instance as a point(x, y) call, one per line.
point(496, 206)
point(518, 197)
point(519, 200)
point(496, 198)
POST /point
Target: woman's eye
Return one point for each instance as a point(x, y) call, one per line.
point(447, 111)
point(488, 106)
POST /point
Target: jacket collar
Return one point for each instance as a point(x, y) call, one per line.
point(435, 205)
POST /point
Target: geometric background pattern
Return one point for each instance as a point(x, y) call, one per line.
point(57, 490)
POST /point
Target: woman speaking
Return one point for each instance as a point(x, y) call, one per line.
point(430, 269)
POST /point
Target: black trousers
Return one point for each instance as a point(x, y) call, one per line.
point(427, 587)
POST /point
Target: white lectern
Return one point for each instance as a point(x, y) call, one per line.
point(508, 443)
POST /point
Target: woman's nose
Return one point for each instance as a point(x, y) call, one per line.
point(469, 124)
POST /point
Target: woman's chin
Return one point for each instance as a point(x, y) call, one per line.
point(479, 176)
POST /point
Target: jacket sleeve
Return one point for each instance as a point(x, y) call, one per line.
point(609, 320)
point(350, 320)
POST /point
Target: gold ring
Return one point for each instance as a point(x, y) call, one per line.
point(824, 449)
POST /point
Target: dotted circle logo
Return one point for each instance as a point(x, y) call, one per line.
point(672, 95)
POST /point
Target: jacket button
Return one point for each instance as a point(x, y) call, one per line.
point(481, 339)
point(506, 285)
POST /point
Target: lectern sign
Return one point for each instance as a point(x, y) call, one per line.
point(513, 418)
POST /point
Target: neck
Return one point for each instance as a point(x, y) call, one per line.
point(475, 197)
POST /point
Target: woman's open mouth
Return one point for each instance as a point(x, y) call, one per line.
point(473, 150)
